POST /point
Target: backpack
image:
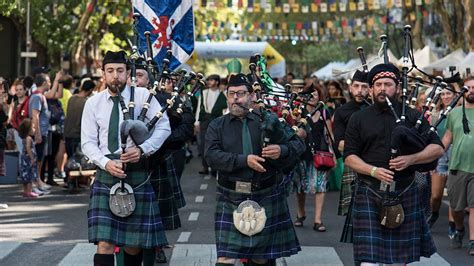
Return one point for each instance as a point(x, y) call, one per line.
point(57, 112)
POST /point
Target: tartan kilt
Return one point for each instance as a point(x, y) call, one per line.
point(142, 229)
point(277, 239)
point(346, 191)
point(161, 181)
point(175, 183)
point(374, 243)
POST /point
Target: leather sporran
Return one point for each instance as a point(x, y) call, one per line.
point(122, 203)
point(249, 218)
point(392, 214)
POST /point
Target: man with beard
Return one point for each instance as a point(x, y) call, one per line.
point(250, 176)
point(359, 90)
point(461, 168)
point(367, 151)
point(142, 229)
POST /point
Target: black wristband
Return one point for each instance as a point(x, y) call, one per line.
point(141, 151)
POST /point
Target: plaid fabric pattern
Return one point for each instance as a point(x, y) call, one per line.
point(175, 183)
point(161, 180)
point(374, 243)
point(141, 229)
point(423, 182)
point(346, 191)
point(278, 238)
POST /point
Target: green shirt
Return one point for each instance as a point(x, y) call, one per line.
point(462, 154)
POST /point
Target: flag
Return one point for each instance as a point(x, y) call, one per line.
point(171, 24)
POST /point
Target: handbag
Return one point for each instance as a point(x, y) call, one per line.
point(324, 160)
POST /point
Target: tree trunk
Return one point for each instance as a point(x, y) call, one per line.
point(446, 22)
point(78, 46)
point(418, 31)
point(469, 27)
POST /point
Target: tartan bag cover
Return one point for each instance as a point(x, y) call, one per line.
point(142, 229)
point(278, 238)
point(375, 243)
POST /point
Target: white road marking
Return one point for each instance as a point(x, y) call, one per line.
point(7, 247)
point(184, 237)
point(199, 199)
point(207, 177)
point(203, 187)
point(81, 254)
point(435, 260)
point(193, 216)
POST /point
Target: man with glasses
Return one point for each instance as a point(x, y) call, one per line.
point(250, 173)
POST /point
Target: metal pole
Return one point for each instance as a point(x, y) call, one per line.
point(28, 38)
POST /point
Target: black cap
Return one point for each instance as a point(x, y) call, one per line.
point(239, 80)
point(360, 76)
point(140, 63)
point(114, 57)
point(383, 71)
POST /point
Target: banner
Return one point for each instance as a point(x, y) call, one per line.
point(171, 23)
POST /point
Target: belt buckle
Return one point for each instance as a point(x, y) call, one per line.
point(243, 187)
point(383, 186)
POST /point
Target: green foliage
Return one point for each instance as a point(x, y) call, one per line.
point(54, 23)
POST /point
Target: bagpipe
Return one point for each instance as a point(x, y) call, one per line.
point(407, 140)
point(138, 129)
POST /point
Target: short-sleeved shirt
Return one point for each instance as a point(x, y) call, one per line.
point(72, 123)
point(65, 99)
point(38, 102)
point(462, 151)
point(369, 132)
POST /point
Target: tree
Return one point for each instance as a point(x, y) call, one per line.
point(76, 28)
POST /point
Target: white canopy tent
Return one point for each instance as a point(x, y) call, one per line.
point(423, 57)
point(467, 62)
point(391, 58)
point(325, 73)
point(451, 59)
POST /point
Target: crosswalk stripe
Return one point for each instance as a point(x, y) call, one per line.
point(7, 247)
point(435, 260)
point(81, 254)
point(205, 254)
point(193, 254)
point(313, 256)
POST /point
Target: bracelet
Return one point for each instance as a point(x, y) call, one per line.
point(372, 172)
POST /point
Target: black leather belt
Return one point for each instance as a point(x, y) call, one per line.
point(400, 183)
point(254, 186)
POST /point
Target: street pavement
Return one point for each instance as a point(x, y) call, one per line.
point(52, 230)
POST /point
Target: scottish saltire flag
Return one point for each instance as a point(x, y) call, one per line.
point(171, 23)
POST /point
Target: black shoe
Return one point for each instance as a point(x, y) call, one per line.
point(161, 257)
point(52, 183)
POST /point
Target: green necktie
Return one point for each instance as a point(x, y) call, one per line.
point(246, 139)
point(113, 142)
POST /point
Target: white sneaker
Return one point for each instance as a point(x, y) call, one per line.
point(37, 191)
point(44, 190)
point(45, 186)
point(3, 206)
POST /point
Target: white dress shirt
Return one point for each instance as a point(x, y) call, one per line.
point(95, 125)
